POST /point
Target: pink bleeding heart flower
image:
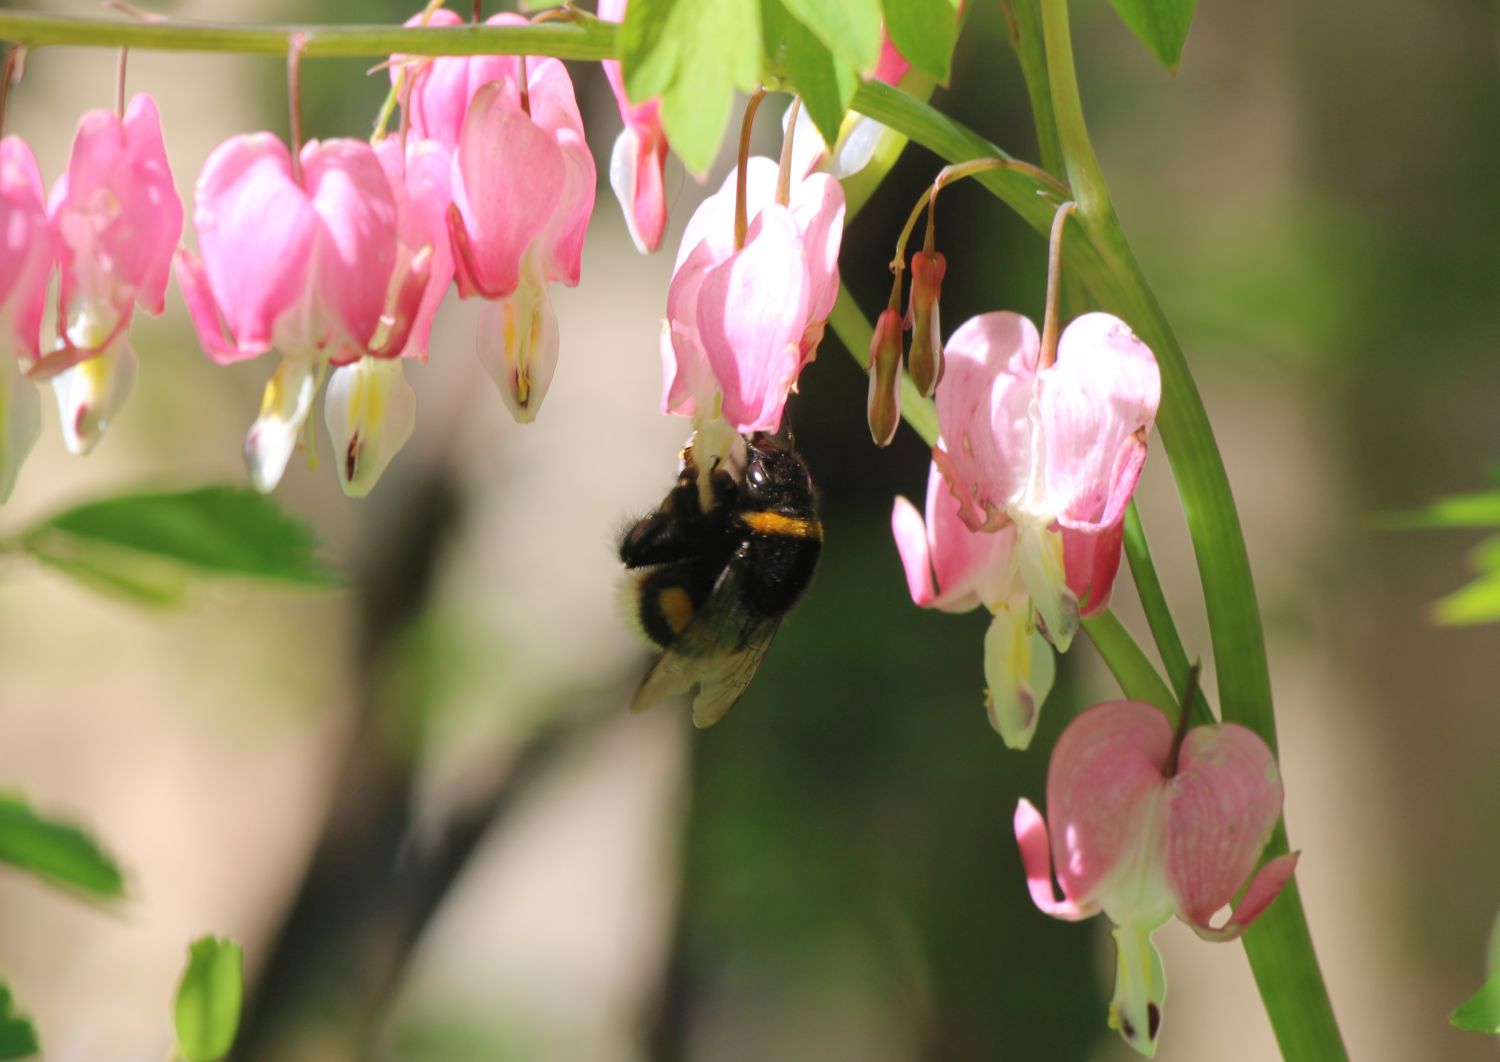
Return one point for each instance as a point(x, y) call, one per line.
point(640, 154)
point(523, 192)
point(1145, 825)
point(26, 255)
point(369, 407)
point(1055, 450)
point(117, 219)
point(742, 323)
point(954, 569)
point(299, 260)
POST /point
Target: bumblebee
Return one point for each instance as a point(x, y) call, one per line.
point(713, 572)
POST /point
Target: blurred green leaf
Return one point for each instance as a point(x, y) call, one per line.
point(207, 1011)
point(224, 530)
point(1161, 24)
point(17, 1037)
point(924, 31)
point(110, 571)
point(850, 28)
point(692, 54)
point(1481, 509)
point(1478, 602)
point(57, 852)
point(825, 81)
point(1480, 1012)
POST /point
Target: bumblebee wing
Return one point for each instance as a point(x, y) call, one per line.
point(719, 652)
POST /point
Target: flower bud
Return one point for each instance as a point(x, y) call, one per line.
point(884, 409)
point(925, 362)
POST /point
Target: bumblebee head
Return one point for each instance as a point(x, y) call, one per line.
point(775, 476)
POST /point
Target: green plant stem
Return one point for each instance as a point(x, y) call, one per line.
point(1154, 601)
point(1129, 664)
point(1279, 945)
point(588, 38)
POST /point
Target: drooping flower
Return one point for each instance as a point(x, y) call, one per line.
point(26, 252)
point(640, 154)
point(117, 219)
point(300, 261)
point(369, 407)
point(523, 192)
point(1054, 449)
point(952, 568)
point(742, 323)
point(1146, 825)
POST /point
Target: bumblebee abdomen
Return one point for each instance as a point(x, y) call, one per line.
point(667, 599)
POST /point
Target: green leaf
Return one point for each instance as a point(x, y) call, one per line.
point(207, 1010)
point(224, 530)
point(1478, 602)
point(924, 31)
point(110, 571)
point(825, 81)
point(1481, 509)
point(55, 851)
point(850, 28)
point(1480, 1012)
point(692, 54)
point(17, 1037)
point(1161, 24)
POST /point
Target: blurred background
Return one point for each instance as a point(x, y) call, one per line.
point(420, 803)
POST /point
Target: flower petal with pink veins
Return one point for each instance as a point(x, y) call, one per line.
point(971, 568)
point(420, 180)
point(435, 93)
point(1091, 562)
point(752, 311)
point(1223, 803)
point(1097, 404)
point(509, 177)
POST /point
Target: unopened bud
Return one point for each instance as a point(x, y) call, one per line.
point(885, 377)
point(925, 362)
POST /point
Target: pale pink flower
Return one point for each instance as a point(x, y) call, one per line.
point(117, 219)
point(523, 191)
point(26, 256)
point(639, 155)
point(1143, 828)
point(742, 324)
point(952, 568)
point(1055, 450)
point(302, 263)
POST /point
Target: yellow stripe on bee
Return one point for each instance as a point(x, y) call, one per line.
point(676, 607)
point(767, 522)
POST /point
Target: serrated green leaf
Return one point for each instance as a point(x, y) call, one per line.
point(1161, 24)
point(692, 54)
point(224, 530)
point(207, 1008)
point(825, 81)
point(1480, 1012)
point(17, 1036)
point(57, 852)
point(848, 28)
point(924, 31)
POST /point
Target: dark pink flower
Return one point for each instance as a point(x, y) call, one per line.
point(1144, 829)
